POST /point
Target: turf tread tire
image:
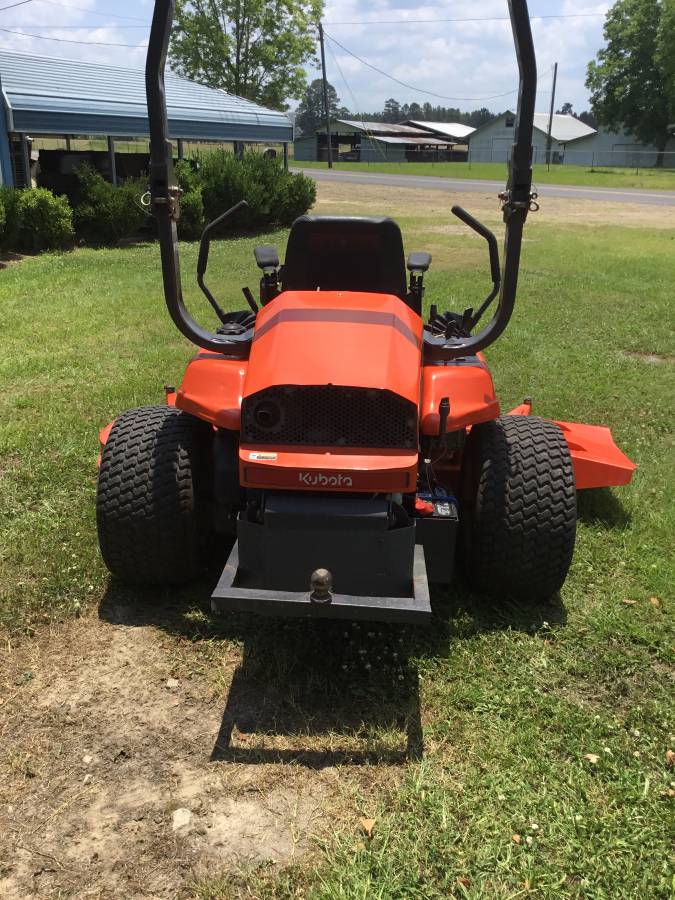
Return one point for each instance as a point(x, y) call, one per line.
point(152, 506)
point(520, 525)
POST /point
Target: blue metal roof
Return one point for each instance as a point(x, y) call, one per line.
point(43, 95)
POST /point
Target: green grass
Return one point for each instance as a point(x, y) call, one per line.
point(615, 177)
point(510, 698)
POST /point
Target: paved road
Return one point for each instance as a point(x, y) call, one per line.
point(430, 182)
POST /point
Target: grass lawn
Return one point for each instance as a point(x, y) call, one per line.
point(496, 796)
point(615, 177)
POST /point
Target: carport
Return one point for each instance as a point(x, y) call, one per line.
point(42, 96)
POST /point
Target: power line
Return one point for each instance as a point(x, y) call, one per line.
point(587, 15)
point(13, 5)
point(44, 37)
point(93, 12)
point(412, 87)
point(91, 27)
point(355, 104)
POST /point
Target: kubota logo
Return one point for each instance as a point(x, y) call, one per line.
point(318, 479)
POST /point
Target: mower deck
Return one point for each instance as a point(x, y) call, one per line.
point(415, 609)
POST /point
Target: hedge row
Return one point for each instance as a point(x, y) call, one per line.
point(216, 181)
point(34, 220)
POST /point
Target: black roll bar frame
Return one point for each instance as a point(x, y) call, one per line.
point(165, 194)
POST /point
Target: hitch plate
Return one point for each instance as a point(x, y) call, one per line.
point(228, 596)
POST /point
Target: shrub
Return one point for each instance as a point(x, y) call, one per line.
point(191, 221)
point(300, 197)
point(9, 198)
point(274, 195)
point(187, 174)
point(108, 213)
point(45, 221)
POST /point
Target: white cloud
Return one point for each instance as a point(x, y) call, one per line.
point(458, 59)
point(473, 60)
point(65, 22)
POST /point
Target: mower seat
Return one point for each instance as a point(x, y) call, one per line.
point(335, 253)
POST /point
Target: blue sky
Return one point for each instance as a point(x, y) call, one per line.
point(471, 60)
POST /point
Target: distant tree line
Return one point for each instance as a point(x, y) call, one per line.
point(397, 112)
point(310, 114)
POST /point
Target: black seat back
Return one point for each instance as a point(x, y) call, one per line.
point(345, 254)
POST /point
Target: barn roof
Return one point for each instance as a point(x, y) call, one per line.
point(564, 128)
point(449, 129)
point(44, 95)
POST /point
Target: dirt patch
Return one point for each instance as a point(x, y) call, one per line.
point(9, 258)
point(107, 783)
point(651, 359)
point(363, 199)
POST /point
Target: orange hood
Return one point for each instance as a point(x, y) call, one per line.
point(337, 337)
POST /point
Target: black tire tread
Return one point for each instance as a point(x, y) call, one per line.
point(522, 528)
point(152, 512)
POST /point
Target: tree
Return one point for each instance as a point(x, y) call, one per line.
point(392, 111)
point(310, 113)
point(252, 48)
point(629, 81)
point(567, 109)
point(588, 118)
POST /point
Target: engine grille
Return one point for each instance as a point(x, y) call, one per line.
point(329, 416)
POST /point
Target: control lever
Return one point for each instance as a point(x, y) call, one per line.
point(495, 270)
point(203, 258)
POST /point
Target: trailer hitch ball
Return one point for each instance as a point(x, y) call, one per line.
point(321, 585)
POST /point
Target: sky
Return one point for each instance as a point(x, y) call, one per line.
point(470, 64)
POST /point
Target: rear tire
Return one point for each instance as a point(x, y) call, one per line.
point(519, 510)
point(153, 505)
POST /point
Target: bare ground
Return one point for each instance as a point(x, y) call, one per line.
point(363, 199)
point(108, 788)
point(135, 761)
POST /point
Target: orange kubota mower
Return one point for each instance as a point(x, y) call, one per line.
point(353, 451)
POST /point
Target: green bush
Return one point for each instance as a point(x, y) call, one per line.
point(274, 195)
point(187, 174)
point(9, 199)
point(107, 213)
point(45, 221)
point(300, 196)
point(191, 221)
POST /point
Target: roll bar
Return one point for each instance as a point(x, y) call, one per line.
point(165, 193)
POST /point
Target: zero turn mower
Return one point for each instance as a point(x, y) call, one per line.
point(352, 450)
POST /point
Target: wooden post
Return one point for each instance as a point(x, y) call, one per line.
point(326, 109)
point(111, 157)
point(68, 148)
point(25, 155)
point(286, 155)
point(181, 149)
point(549, 139)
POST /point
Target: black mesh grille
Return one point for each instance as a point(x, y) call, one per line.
point(329, 416)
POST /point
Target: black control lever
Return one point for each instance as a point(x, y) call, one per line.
point(495, 271)
point(203, 258)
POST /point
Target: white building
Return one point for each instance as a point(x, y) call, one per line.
point(573, 142)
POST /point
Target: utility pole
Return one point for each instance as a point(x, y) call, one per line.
point(326, 110)
point(549, 139)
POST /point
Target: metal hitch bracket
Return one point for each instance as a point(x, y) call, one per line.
point(413, 610)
